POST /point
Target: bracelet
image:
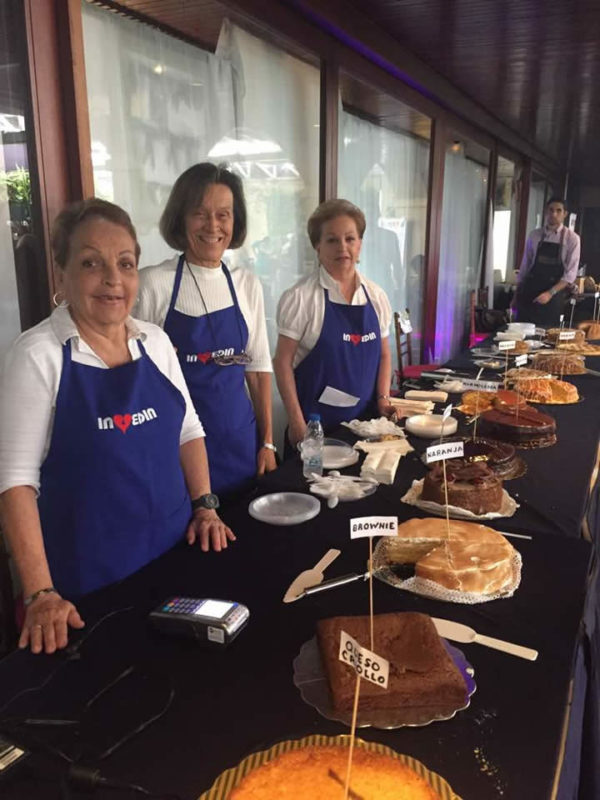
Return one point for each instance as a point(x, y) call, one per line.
point(552, 292)
point(383, 397)
point(270, 446)
point(48, 590)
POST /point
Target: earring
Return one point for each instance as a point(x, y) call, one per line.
point(55, 299)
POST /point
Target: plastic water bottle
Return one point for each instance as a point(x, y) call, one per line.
point(312, 447)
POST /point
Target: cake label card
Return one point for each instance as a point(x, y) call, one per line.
point(565, 336)
point(449, 450)
point(520, 360)
point(447, 412)
point(373, 526)
point(480, 386)
point(366, 664)
point(507, 345)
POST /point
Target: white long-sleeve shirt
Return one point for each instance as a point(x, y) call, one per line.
point(570, 251)
point(156, 288)
point(301, 308)
point(29, 386)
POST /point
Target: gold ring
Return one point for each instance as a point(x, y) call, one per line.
point(37, 625)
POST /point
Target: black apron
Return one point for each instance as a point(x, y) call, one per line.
point(546, 271)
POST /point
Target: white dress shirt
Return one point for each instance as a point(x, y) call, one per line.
point(570, 251)
point(301, 308)
point(29, 387)
point(156, 288)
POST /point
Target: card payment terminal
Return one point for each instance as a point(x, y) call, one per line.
point(204, 619)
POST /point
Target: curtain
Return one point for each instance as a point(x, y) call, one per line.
point(157, 106)
point(461, 247)
point(385, 173)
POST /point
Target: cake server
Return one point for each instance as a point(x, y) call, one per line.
point(462, 633)
point(310, 577)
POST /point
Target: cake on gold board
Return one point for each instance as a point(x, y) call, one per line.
point(322, 760)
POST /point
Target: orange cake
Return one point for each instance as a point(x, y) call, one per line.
point(547, 390)
point(474, 558)
point(591, 328)
point(422, 673)
point(472, 486)
point(319, 773)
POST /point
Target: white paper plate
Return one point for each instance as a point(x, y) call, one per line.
point(338, 454)
point(429, 426)
point(284, 508)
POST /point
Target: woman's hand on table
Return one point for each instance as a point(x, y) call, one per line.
point(46, 624)
point(209, 529)
point(265, 461)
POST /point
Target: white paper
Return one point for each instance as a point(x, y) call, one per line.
point(335, 397)
point(373, 526)
point(480, 386)
point(565, 336)
point(366, 664)
point(437, 452)
point(507, 345)
point(520, 360)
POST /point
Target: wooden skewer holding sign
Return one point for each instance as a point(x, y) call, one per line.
point(572, 301)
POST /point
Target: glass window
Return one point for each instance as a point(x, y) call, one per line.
point(23, 284)
point(461, 244)
point(384, 169)
point(535, 205)
point(506, 219)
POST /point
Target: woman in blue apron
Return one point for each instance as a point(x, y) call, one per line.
point(116, 486)
point(550, 263)
point(333, 355)
point(195, 298)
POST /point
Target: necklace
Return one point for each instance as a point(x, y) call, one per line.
point(241, 358)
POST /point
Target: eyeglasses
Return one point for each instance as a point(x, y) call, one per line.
point(236, 358)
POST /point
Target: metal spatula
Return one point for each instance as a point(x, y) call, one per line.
point(310, 577)
point(466, 635)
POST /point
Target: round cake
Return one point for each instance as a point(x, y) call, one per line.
point(472, 486)
point(560, 363)
point(553, 335)
point(591, 329)
point(319, 773)
point(523, 426)
point(500, 457)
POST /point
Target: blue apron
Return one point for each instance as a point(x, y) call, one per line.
point(345, 357)
point(218, 393)
point(113, 495)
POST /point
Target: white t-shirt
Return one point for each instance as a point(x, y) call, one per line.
point(156, 288)
point(301, 308)
point(30, 381)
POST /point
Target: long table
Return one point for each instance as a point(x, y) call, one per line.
point(220, 705)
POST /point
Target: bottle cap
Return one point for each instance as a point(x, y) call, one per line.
point(315, 417)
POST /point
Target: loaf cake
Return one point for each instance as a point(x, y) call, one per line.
point(591, 328)
point(522, 426)
point(422, 673)
point(462, 556)
point(472, 486)
point(319, 773)
point(560, 363)
point(553, 335)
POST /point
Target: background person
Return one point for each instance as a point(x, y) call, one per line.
point(215, 319)
point(333, 330)
point(549, 265)
point(100, 446)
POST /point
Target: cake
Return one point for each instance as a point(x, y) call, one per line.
point(521, 346)
point(553, 335)
point(473, 402)
point(500, 457)
point(422, 673)
point(547, 390)
point(472, 486)
point(560, 363)
point(591, 328)
point(319, 773)
point(473, 558)
point(522, 426)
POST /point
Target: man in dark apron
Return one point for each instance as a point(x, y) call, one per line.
point(549, 265)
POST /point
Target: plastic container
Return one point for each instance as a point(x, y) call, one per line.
point(312, 447)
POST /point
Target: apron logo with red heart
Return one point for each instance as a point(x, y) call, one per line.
point(124, 421)
point(204, 358)
point(357, 338)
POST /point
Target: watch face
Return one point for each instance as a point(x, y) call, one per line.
point(210, 501)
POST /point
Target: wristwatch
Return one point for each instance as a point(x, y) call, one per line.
point(209, 501)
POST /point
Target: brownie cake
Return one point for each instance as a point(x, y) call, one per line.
point(472, 486)
point(422, 674)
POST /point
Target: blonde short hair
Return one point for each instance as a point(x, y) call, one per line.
point(329, 210)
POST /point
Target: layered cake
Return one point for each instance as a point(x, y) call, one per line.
point(560, 363)
point(546, 390)
point(463, 556)
point(319, 773)
point(472, 486)
point(591, 328)
point(553, 335)
point(522, 426)
point(422, 673)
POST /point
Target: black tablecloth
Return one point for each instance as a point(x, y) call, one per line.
point(230, 702)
